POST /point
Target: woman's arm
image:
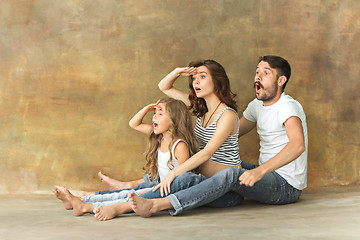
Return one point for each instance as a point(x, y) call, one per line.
point(166, 85)
point(225, 126)
point(136, 121)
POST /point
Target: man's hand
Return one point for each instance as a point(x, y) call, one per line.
point(250, 177)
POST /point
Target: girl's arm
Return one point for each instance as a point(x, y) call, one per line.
point(181, 152)
point(225, 126)
point(166, 84)
point(136, 121)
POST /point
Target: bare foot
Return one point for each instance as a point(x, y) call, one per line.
point(60, 194)
point(79, 193)
point(104, 213)
point(140, 205)
point(79, 207)
point(111, 183)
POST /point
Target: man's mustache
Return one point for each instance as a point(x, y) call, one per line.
point(259, 84)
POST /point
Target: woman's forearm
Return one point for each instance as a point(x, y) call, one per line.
point(192, 163)
point(168, 81)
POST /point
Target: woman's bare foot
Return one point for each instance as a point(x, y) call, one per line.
point(79, 207)
point(142, 206)
point(60, 194)
point(104, 213)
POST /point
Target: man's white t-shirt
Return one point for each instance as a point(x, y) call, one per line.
point(273, 138)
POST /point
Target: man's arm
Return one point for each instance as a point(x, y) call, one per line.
point(245, 126)
point(289, 153)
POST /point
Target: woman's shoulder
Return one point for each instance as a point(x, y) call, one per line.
point(228, 112)
point(228, 117)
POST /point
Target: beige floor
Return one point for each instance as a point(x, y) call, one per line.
point(331, 213)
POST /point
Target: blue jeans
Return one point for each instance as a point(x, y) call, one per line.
point(182, 182)
point(223, 190)
point(185, 180)
point(146, 184)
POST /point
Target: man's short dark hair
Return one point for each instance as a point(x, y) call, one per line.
point(280, 64)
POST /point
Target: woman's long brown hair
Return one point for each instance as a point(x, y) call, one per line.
point(221, 87)
point(181, 127)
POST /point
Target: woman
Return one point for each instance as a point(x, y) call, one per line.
point(212, 101)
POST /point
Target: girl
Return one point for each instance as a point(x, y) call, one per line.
point(171, 142)
point(212, 101)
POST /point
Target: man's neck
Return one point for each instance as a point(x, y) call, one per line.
point(273, 100)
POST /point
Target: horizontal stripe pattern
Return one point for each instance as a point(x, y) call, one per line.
point(228, 153)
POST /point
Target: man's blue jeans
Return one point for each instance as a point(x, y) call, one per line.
point(223, 190)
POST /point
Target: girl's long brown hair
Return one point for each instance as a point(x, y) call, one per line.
point(221, 87)
point(181, 127)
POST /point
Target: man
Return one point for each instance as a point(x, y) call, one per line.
point(282, 171)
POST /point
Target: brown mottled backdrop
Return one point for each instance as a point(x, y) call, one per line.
point(72, 74)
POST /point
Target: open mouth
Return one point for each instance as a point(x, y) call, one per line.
point(258, 86)
point(155, 125)
point(197, 89)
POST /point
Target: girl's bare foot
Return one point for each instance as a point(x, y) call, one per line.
point(142, 206)
point(79, 193)
point(104, 213)
point(79, 207)
point(111, 183)
point(60, 194)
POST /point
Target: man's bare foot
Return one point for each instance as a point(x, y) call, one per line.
point(142, 206)
point(79, 207)
point(111, 183)
point(104, 213)
point(60, 194)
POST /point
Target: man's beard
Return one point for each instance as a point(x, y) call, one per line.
point(266, 96)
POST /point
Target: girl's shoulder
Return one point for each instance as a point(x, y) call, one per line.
point(179, 144)
point(181, 151)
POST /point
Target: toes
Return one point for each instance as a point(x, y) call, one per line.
point(96, 210)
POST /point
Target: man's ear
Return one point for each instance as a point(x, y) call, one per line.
point(282, 80)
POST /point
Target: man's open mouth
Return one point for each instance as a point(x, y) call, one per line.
point(258, 86)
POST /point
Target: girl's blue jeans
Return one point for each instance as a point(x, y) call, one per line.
point(146, 184)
